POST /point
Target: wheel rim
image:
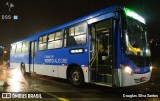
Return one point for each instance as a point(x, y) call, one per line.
point(75, 76)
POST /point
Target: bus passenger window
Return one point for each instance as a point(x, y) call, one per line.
point(55, 40)
point(25, 47)
point(19, 48)
point(71, 31)
point(80, 33)
point(71, 41)
point(13, 48)
point(42, 41)
point(58, 39)
point(77, 35)
point(51, 41)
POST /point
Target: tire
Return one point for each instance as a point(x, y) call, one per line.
point(23, 70)
point(76, 77)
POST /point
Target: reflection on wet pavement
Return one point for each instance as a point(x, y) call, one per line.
point(3, 73)
point(13, 80)
point(16, 81)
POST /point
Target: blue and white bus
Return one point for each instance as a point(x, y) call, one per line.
point(108, 47)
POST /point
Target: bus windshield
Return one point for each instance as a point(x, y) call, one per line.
point(136, 38)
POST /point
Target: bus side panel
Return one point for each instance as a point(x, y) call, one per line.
point(43, 69)
point(55, 62)
point(17, 59)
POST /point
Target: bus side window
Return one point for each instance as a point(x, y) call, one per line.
point(80, 33)
point(75, 35)
point(55, 40)
point(51, 41)
point(71, 41)
point(13, 48)
point(19, 48)
point(58, 39)
point(42, 42)
point(25, 46)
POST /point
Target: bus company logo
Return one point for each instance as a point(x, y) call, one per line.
point(52, 59)
point(6, 95)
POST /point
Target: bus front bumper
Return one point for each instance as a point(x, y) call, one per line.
point(129, 80)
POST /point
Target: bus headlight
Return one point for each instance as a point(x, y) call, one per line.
point(128, 70)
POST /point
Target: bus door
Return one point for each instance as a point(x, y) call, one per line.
point(32, 55)
point(101, 52)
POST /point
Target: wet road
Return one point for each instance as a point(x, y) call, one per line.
point(53, 89)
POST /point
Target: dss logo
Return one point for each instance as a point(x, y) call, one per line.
point(7, 17)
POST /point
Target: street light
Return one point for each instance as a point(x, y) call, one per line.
point(4, 51)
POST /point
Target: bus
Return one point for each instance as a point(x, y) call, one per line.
point(109, 47)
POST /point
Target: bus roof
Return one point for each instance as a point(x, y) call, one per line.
point(84, 18)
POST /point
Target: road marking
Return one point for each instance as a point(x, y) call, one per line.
point(59, 98)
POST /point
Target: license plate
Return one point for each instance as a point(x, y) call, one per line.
point(143, 78)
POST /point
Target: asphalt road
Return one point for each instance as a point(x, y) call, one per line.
point(44, 88)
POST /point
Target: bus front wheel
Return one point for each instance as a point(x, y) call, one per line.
point(76, 77)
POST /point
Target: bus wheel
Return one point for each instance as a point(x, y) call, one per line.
point(76, 77)
point(23, 71)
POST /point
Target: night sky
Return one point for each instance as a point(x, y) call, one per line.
point(39, 15)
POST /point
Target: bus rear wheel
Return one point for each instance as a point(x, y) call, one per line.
point(76, 77)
